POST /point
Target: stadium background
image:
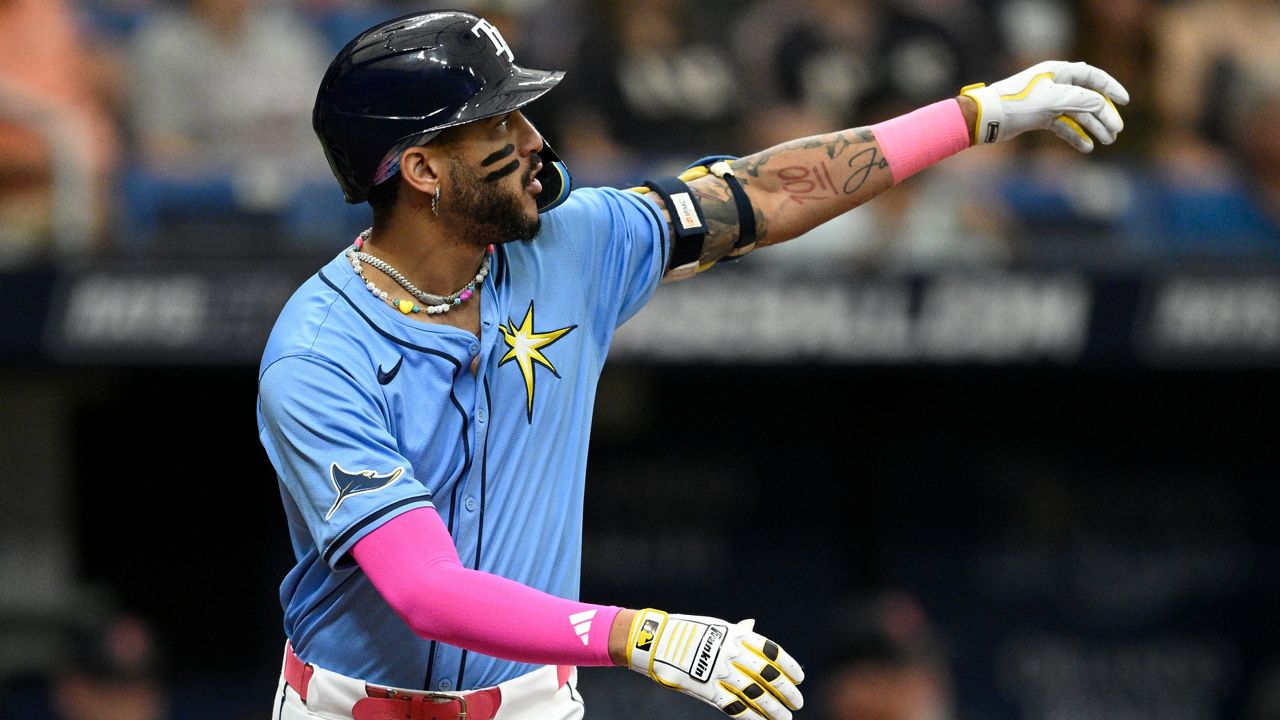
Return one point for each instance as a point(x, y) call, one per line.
point(995, 443)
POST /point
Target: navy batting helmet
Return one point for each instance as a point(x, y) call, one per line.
point(400, 83)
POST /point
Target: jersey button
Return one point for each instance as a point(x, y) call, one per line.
point(470, 504)
point(444, 684)
point(481, 415)
point(473, 348)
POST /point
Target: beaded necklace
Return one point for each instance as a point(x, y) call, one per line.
point(431, 304)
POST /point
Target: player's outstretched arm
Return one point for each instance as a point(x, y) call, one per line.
point(724, 664)
point(795, 186)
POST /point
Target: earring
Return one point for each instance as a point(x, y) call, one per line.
point(435, 202)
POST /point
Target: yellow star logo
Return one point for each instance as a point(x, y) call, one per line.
point(526, 349)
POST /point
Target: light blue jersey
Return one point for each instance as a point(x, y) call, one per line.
point(367, 413)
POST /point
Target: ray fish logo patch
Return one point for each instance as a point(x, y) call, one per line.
point(347, 483)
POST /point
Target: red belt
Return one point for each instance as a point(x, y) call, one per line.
point(392, 704)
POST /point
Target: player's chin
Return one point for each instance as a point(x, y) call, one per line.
point(530, 222)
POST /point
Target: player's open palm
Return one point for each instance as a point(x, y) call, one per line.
point(726, 665)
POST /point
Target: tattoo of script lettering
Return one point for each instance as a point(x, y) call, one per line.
point(835, 144)
point(874, 161)
point(801, 183)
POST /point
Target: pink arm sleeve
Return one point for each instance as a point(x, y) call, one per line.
point(413, 563)
point(914, 141)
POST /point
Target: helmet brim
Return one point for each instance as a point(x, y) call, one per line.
point(521, 88)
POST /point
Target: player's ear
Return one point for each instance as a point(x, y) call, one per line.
point(422, 169)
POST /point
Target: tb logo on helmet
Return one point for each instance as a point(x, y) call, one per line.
point(495, 37)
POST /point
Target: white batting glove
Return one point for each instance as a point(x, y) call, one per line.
point(1073, 100)
point(729, 666)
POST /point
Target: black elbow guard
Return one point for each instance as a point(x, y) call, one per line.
point(719, 166)
point(688, 221)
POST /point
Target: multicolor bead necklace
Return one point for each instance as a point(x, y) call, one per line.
point(431, 304)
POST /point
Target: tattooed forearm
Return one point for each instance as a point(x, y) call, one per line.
point(792, 188)
point(835, 145)
point(722, 220)
point(870, 159)
point(762, 228)
point(813, 181)
point(803, 183)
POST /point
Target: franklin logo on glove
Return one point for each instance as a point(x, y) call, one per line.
point(706, 655)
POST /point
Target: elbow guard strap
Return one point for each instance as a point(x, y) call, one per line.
point(687, 220)
point(718, 165)
point(690, 223)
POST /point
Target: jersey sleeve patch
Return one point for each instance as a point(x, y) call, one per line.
point(347, 483)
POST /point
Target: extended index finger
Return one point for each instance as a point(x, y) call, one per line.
point(1086, 75)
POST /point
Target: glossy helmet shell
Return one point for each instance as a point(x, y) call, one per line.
point(416, 74)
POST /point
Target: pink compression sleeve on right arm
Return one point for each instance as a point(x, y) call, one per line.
point(914, 141)
point(413, 563)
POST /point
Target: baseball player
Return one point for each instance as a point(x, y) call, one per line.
point(426, 397)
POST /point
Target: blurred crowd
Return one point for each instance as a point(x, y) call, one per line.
point(143, 127)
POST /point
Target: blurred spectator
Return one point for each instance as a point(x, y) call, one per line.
point(840, 57)
point(338, 21)
point(658, 85)
point(221, 111)
point(1255, 136)
point(1206, 50)
point(1118, 35)
point(114, 20)
point(1239, 214)
point(113, 673)
point(1062, 208)
point(809, 53)
point(887, 664)
point(1031, 31)
point(58, 145)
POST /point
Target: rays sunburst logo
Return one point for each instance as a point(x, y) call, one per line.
point(526, 349)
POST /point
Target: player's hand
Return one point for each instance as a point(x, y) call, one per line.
point(729, 666)
point(1075, 101)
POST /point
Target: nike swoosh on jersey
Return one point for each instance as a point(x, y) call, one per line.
point(386, 376)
